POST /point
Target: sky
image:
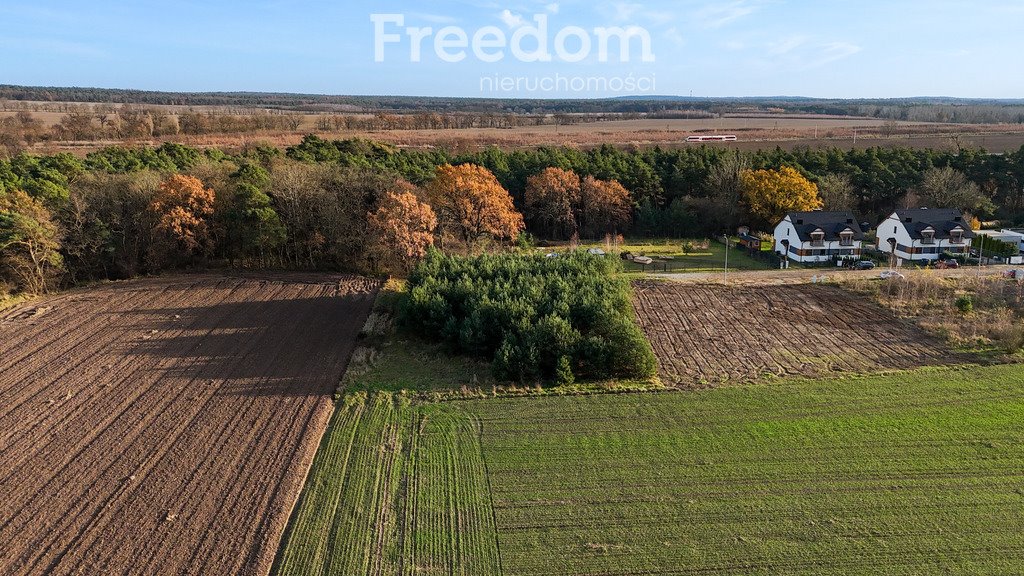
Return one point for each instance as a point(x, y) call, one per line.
point(823, 48)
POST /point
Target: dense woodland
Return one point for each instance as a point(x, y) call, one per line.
point(364, 206)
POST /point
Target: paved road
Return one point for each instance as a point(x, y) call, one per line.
point(805, 276)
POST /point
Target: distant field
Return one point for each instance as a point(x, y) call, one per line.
point(754, 131)
point(918, 473)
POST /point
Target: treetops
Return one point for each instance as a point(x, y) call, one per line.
point(310, 204)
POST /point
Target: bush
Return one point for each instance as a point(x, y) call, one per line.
point(535, 318)
point(965, 304)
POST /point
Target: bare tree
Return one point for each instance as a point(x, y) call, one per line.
point(837, 192)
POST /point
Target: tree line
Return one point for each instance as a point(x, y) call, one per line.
point(914, 109)
point(370, 207)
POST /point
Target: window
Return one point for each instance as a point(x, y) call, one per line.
point(956, 237)
point(928, 237)
point(817, 238)
point(846, 238)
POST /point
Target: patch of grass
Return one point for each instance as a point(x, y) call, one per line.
point(407, 363)
point(670, 256)
point(980, 315)
point(9, 301)
point(910, 473)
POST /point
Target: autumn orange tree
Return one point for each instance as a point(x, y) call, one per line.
point(181, 207)
point(771, 194)
point(473, 205)
point(552, 200)
point(402, 228)
point(562, 204)
point(606, 207)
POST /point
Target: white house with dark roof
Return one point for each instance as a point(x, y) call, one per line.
point(922, 234)
point(818, 236)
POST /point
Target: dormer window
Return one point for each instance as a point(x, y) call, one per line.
point(818, 238)
point(956, 236)
point(846, 238)
point(928, 236)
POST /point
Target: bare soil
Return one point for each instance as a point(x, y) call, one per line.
point(705, 335)
point(165, 426)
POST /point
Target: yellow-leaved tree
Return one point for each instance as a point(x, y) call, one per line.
point(473, 205)
point(771, 194)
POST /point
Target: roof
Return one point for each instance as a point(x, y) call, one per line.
point(942, 220)
point(831, 223)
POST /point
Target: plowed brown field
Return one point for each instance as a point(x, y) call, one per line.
point(166, 426)
point(705, 334)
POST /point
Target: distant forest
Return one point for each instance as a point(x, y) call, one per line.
point(950, 110)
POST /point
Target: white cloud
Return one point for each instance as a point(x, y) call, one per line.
point(631, 13)
point(675, 36)
point(433, 18)
point(553, 8)
point(718, 15)
point(511, 20)
point(623, 11)
point(786, 45)
point(833, 51)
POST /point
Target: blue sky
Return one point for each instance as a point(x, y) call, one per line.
point(837, 48)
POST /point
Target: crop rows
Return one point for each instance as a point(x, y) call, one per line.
point(704, 335)
point(164, 426)
point(394, 489)
point(916, 474)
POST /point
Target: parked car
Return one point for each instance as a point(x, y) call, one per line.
point(863, 265)
point(947, 264)
point(890, 274)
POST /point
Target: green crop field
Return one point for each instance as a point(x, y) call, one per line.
point(915, 473)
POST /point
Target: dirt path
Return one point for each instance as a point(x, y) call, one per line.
point(806, 276)
point(165, 426)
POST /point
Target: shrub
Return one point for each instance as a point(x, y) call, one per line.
point(535, 318)
point(965, 304)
